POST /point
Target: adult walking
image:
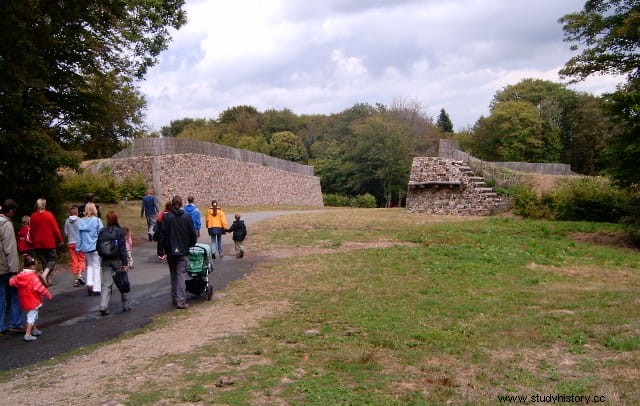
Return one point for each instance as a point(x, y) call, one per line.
point(88, 228)
point(150, 209)
point(46, 237)
point(216, 223)
point(9, 266)
point(177, 235)
point(193, 210)
point(109, 266)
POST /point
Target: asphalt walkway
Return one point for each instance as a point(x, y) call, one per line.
point(72, 319)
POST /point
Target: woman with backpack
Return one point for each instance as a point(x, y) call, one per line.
point(112, 249)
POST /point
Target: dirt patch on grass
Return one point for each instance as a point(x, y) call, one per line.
point(348, 246)
point(618, 240)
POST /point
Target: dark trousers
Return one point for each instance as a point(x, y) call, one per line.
point(178, 269)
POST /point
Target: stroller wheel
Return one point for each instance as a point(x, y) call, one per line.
point(209, 292)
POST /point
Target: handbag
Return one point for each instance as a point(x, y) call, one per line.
point(121, 279)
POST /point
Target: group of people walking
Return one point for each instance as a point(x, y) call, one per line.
point(176, 230)
point(38, 241)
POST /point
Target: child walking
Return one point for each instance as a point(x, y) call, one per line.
point(77, 259)
point(128, 242)
point(25, 246)
point(31, 290)
point(239, 233)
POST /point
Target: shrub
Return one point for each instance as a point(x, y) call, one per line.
point(590, 199)
point(103, 185)
point(133, 188)
point(334, 200)
point(366, 200)
point(527, 203)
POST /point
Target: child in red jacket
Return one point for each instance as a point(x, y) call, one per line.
point(25, 246)
point(31, 290)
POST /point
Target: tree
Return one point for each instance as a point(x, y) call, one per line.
point(606, 32)
point(572, 128)
point(381, 156)
point(240, 120)
point(444, 122)
point(109, 126)
point(175, 127)
point(274, 121)
point(587, 128)
point(66, 72)
point(287, 145)
point(515, 132)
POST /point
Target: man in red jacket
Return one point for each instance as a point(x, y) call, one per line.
point(46, 237)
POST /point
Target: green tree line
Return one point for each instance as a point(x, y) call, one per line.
point(363, 149)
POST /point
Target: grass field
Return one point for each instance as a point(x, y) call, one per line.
point(426, 310)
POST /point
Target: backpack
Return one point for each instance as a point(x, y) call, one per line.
point(107, 244)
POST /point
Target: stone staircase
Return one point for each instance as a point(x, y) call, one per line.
point(444, 186)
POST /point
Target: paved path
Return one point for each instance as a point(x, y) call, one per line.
point(72, 320)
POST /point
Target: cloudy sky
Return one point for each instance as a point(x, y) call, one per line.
point(324, 56)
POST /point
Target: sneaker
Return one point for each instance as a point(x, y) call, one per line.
point(126, 308)
point(150, 237)
point(213, 255)
point(28, 337)
point(182, 306)
point(105, 312)
point(241, 254)
point(35, 332)
point(81, 281)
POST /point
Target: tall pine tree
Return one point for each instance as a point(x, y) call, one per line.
point(444, 122)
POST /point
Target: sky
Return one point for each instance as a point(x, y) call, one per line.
point(324, 56)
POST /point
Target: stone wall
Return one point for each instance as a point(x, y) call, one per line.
point(447, 187)
point(174, 146)
point(229, 181)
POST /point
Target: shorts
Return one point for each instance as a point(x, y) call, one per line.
point(32, 316)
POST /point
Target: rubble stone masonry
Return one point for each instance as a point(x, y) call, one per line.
point(447, 187)
point(230, 182)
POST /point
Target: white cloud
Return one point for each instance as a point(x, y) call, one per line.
point(323, 57)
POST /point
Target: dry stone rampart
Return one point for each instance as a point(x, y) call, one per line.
point(446, 187)
point(230, 181)
point(174, 146)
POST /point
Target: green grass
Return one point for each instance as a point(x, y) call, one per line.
point(459, 311)
point(428, 311)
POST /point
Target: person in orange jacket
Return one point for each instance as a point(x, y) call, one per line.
point(217, 225)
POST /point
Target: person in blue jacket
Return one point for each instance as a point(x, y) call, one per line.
point(150, 209)
point(194, 212)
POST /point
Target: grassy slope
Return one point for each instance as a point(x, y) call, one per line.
point(462, 311)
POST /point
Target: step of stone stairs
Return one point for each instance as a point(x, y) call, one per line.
point(485, 189)
point(476, 178)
